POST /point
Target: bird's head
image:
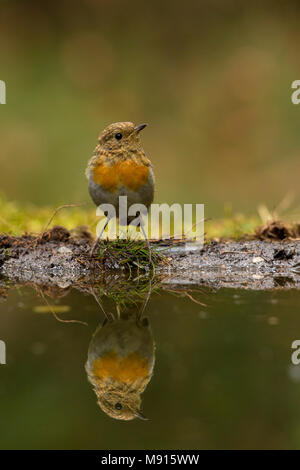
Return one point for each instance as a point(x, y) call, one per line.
point(121, 135)
point(120, 405)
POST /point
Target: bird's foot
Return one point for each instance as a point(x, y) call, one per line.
point(93, 249)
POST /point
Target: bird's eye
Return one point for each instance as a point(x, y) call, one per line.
point(118, 406)
point(118, 136)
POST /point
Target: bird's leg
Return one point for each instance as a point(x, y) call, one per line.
point(142, 310)
point(118, 311)
point(108, 316)
point(146, 240)
point(98, 238)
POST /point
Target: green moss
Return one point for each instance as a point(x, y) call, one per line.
point(16, 219)
point(132, 254)
point(235, 226)
point(130, 290)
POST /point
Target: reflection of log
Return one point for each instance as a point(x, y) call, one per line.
point(60, 260)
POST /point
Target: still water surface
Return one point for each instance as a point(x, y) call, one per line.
point(222, 373)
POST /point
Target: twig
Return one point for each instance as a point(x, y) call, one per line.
point(55, 315)
point(57, 210)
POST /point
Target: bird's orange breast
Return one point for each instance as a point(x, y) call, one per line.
point(126, 173)
point(124, 369)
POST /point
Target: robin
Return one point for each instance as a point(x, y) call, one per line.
point(119, 167)
point(120, 364)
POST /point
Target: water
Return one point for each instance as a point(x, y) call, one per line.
point(223, 376)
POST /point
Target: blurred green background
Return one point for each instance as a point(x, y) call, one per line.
point(212, 80)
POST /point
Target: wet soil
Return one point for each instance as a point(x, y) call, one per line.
point(254, 264)
point(59, 259)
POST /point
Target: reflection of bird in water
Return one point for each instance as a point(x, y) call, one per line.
point(120, 365)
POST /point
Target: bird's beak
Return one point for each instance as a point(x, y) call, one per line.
point(139, 128)
point(140, 415)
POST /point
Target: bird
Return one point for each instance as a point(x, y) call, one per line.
point(120, 364)
point(120, 167)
